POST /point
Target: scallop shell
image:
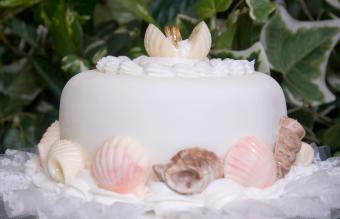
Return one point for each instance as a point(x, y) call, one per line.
point(293, 125)
point(51, 135)
point(200, 42)
point(121, 165)
point(156, 44)
point(305, 156)
point(251, 163)
point(65, 160)
point(190, 170)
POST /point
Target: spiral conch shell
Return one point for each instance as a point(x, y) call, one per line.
point(51, 135)
point(288, 144)
point(121, 165)
point(251, 163)
point(196, 47)
point(65, 160)
point(190, 170)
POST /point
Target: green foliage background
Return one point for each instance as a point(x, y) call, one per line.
point(45, 42)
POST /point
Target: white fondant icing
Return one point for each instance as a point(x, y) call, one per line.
point(170, 114)
point(171, 67)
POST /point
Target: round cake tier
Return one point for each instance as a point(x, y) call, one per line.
point(169, 114)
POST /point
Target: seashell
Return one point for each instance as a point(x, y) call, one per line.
point(200, 42)
point(293, 125)
point(305, 156)
point(190, 170)
point(65, 159)
point(51, 135)
point(287, 145)
point(156, 44)
point(251, 163)
point(121, 165)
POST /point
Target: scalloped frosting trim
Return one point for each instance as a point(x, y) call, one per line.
point(174, 67)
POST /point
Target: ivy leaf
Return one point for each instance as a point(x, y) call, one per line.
point(260, 9)
point(17, 3)
point(25, 31)
point(300, 51)
point(255, 52)
point(84, 8)
point(47, 73)
point(73, 64)
point(126, 11)
point(64, 26)
point(166, 11)
point(334, 3)
point(24, 132)
point(334, 81)
point(225, 40)
point(208, 8)
point(331, 137)
point(96, 50)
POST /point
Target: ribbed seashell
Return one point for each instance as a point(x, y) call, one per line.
point(65, 160)
point(305, 156)
point(293, 125)
point(251, 163)
point(190, 170)
point(157, 44)
point(200, 42)
point(121, 165)
point(51, 135)
point(287, 145)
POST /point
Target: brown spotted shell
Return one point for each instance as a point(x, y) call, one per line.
point(293, 125)
point(288, 144)
point(190, 170)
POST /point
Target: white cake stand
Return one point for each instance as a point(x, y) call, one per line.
point(306, 192)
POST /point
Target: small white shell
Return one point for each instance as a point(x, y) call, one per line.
point(51, 135)
point(121, 165)
point(305, 156)
point(157, 44)
point(65, 160)
point(200, 42)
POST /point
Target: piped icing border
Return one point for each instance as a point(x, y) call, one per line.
point(174, 67)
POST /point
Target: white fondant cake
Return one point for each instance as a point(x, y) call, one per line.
point(170, 114)
point(178, 116)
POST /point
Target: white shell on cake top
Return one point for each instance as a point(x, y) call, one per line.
point(51, 135)
point(121, 165)
point(250, 162)
point(199, 41)
point(156, 43)
point(196, 47)
point(65, 160)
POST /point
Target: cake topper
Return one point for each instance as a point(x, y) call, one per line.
point(197, 46)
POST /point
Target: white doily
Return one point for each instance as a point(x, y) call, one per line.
point(315, 194)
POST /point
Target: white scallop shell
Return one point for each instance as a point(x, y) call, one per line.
point(157, 44)
point(305, 156)
point(65, 160)
point(200, 42)
point(251, 163)
point(121, 165)
point(51, 135)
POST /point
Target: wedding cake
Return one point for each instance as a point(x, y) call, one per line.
point(174, 116)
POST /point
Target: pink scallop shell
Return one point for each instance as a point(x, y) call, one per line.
point(121, 165)
point(251, 163)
